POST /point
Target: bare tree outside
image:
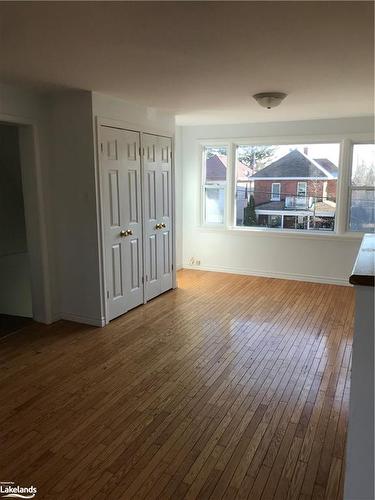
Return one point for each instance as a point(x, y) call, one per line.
point(255, 157)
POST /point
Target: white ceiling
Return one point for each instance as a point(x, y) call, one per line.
point(201, 60)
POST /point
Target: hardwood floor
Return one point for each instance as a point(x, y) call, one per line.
point(229, 387)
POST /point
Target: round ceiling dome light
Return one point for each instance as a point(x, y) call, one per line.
point(269, 99)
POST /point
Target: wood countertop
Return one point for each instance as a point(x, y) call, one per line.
point(364, 267)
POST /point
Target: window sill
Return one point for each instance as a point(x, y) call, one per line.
point(285, 233)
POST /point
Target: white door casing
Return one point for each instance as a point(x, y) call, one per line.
point(157, 164)
point(122, 219)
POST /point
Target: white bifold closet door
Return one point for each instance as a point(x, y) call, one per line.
point(122, 219)
point(157, 164)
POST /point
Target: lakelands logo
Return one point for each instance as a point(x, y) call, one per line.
point(8, 489)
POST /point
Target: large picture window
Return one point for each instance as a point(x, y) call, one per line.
point(215, 166)
point(287, 186)
point(290, 186)
point(361, 198)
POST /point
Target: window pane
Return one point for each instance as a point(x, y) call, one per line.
point(363, 168)
point(301, 189)
point(214, 205)
point(287, 186)
point(216, 163)
point(362, 211)
point(275, 192)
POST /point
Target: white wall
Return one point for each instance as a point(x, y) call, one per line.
point(58, 172)
point(148, 118)
point(323, 258)
point(74, 205)
point(179, 196)
point(15, 283)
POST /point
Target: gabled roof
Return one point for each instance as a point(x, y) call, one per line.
point(328, 165)
point(216, 169)
point(243, 172)
point(297, 165)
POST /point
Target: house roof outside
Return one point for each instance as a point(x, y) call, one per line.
point(244, 172)
point(294, 164)
point(327, 165)
point(297, 165)
point(216, 169)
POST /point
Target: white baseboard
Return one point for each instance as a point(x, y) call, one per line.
point(80, 319)
point(54, 317)
point(179, 267)
point(266, 274)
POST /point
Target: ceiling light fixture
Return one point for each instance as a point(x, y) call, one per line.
point(269, 99)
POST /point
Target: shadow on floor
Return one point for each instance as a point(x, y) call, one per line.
point(11, 324)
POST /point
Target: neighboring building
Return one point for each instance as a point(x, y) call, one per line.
point(296, 191)
point(216, 169)
point(216, 173)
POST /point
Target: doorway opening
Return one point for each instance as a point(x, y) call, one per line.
point(15, 285)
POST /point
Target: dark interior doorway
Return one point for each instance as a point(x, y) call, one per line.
point(15, 282)
point(12, 324)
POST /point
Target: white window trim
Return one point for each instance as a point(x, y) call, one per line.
point(305, 189)
point(278, 197)
point(351, 189)
point(346, 142)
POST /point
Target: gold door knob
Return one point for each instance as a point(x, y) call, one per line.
point(162, 225)
point(158, 226)
point(128, 232)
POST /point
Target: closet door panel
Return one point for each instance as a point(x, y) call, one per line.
point(135, 264)
point(158, 214)
point(153, 260)
point(122, 219)
point(133, 199)
point(165, 211)
point(151, 231)
point(114, 217)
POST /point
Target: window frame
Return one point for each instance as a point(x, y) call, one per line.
point(213, 185)
point(297, 140)
point(278, 198)
point(345, 141)
point(351, 189)
point(305, 190)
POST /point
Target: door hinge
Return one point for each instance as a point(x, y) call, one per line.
point(172, 267)
point(140, 151)
point(143, 280)
point(101, 147)
point(107, 294)
point(146, 277)
point(170, 154)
